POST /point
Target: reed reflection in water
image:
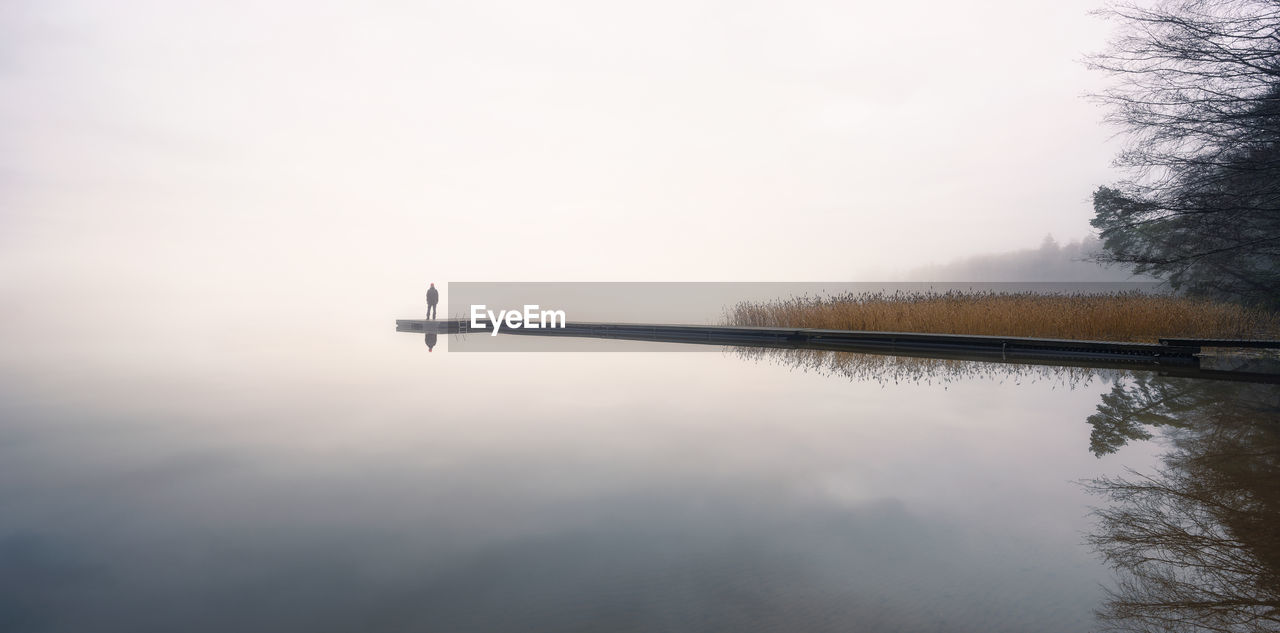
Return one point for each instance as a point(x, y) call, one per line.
point(887, 369)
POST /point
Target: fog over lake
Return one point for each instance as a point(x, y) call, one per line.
point(212, 215)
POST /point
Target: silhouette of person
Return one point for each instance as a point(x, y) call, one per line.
point(433, 297)
point(431, 341)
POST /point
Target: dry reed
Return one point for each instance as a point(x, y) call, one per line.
point(1130, 316)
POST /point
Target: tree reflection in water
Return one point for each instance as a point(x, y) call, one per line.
point(1196, 544)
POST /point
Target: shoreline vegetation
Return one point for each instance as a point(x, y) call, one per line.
point(1124, 316)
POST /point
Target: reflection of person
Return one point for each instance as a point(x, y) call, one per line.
point(433, 297)
point(431, 341)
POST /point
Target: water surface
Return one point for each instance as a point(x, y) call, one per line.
point(367, 484)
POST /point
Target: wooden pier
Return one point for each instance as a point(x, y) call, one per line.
point(1171, 356)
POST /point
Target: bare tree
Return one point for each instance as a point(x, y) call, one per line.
point(1197, 90)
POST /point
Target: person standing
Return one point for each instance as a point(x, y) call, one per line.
point(433, 297)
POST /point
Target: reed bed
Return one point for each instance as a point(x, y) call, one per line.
point(1125, 316)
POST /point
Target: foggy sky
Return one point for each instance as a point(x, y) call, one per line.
point(224, 164)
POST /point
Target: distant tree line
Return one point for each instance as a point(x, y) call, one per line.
point(1052, 261)
point(1197, 92)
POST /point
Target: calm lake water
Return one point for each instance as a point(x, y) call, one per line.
point(368, 484)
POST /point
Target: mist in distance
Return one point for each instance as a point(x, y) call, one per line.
point(1051, 262)
point(196, 181)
